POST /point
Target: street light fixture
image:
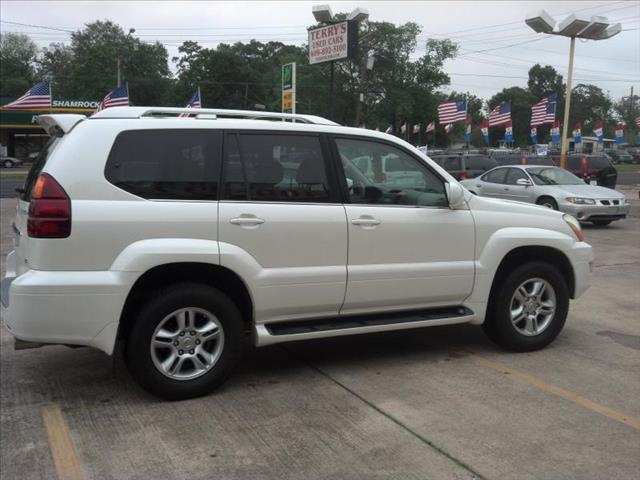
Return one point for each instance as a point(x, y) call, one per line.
point(574, 26)
point(322, 13)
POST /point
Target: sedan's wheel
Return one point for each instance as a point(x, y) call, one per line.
point(7, 164)
point(548, 202)
point(529, 307)
point(185, 341)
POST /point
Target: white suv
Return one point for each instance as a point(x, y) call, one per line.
point(180, 237)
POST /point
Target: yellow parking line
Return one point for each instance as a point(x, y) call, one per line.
point(559, 392)
point(60, 444)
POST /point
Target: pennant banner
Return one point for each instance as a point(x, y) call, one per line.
point(577, 133)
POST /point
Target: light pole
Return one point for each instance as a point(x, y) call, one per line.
point(574, 26)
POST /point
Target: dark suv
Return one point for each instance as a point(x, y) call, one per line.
point(465, 166)
point(594, 169)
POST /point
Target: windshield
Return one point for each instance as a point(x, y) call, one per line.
point(553, 176)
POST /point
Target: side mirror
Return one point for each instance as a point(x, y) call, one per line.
point(524, 181)
point(455, 195)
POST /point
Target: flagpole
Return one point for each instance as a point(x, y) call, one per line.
point(466, 115)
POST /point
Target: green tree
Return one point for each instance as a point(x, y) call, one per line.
point(588, 105)
point(54, 64)
point(544, 80)
point(17, 64)
point(627, 109)
point(93, 72)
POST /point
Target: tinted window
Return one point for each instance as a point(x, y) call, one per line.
point(453, 163)
point(514, 175)
point(495, 176)
point(479, 162)
point(598, 161)
point(413, 183)
point(275, 168)
point(166, 164)
point(573, 163)
point(506, 160)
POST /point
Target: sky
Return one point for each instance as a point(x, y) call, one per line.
point(496, 47)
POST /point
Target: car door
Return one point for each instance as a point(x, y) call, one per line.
point(514, 191)
point(282, 225)
point(407, 248)
point(491, 184)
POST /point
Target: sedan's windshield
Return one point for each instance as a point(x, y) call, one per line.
point(553, 176)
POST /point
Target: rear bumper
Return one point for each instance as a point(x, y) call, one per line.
point(76, 308)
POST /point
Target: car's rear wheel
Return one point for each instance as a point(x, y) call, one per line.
point(601, 223)
point(548, 202)
point(185, 341)
point(7, 164)
point(529, 308)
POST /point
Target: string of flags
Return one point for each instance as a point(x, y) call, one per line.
point(450, 112)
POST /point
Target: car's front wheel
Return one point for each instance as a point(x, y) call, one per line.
point(601, 223)
point(529, 307)
point(7, 164)
point(185, 341)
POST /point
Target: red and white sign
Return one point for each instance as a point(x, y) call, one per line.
point(330, 42)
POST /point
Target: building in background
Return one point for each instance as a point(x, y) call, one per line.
point(20, 134)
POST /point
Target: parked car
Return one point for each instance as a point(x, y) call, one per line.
point(182, 237)
point(620, 156)
point(465, 166)
point(594, 169)
point(635, 153)
point(509, 157)
point(10, 162)
point(554, 188)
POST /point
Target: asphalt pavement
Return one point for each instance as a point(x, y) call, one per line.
point(436, 403)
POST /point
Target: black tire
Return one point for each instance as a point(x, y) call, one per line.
point(8, 164)
point(548, 202)
point(601, 223)
point(498, 325)
point(184, 295)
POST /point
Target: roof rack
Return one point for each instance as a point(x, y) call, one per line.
point(139, 112)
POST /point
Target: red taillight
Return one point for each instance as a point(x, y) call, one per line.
point(584, 166)
point(462, 175)
point(49, 210)
point(523, 160)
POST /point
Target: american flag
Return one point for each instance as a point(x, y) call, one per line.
point(194, 102)
point(448, 128)
point(452, 111)
point(544, 111)
point(637, 120)
point(37, 97)
point(389, 129)
point(597, 130)
point(416, 128)
point(116, 98)
point(403, 128)
point(431, 127)
point(500, 115)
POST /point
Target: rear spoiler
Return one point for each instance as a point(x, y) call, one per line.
point(58, 124)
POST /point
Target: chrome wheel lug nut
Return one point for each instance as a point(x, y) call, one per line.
point(180, 352)
point(191, 351)
point(182, 334)
point(176, 343)
point(192, 332)
point(197, 342)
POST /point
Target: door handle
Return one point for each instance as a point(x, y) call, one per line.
point(246, 221)
point(366, 221)
point(506, 189)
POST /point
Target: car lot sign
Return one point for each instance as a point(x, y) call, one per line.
point(333, 42)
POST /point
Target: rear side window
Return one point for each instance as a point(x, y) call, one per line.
point(275, 168)
point(37, 167)
point(598, 161)
point(479, 162)
point(573, 162)
point(166, 164)
point(451, 164)
point(495, 176)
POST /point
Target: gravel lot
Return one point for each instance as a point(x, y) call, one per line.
point(437, 403)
